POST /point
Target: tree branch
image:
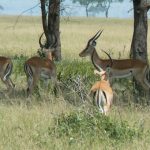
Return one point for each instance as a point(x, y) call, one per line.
point(22, 14)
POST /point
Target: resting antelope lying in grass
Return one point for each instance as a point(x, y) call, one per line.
point(37, 67)
point(6, 67)
point(118, 68)
point(103, 94)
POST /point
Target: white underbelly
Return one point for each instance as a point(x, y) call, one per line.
point(121, 74)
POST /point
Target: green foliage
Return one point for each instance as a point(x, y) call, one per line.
point(18, 63)
point(80, 125)
point(71, 69)
point(76, 78)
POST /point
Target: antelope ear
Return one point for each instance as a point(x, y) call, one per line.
point(94, 43)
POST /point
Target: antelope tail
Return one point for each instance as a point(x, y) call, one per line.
point(100, 99)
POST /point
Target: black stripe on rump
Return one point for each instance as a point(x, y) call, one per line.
point(8, 71)
point(28, 70)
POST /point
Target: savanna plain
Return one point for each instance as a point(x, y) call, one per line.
point(43, 121)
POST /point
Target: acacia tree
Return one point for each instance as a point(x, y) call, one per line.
point(85, 3)
point(101, 7)
point(96, 6)
point(105, 5)
point(50, 10)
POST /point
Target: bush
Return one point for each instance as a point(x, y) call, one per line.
point(78, 125)
point(76, 78)
point(74, 68)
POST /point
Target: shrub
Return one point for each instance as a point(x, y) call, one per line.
point(75, 79)
point(81, 124)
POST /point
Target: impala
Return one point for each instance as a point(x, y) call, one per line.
point(37, 67)
point(117, 68)
point(103, 94)
point(6, 67)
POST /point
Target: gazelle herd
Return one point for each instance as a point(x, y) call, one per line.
point(37, 67)
point(115, 69)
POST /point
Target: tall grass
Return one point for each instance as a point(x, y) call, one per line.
point(21, 37)
point(43, 121)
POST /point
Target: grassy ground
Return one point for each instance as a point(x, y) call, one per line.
point(26, 123)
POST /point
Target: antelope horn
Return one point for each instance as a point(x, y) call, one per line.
point(98, 35)
point(94, 36)
point(40, 43)
point(111, 61)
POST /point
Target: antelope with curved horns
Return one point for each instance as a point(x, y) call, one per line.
point(118, 68)
point(103, 94)
point(37, 67)
point(6, 67)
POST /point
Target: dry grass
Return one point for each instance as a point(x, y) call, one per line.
point(117, 35)
point(24, 121)
point(74, 34)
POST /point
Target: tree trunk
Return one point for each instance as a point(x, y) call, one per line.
point(54, 24)
point(51, 24)
point(86, 9)
point(107, 10)
point(139, 40)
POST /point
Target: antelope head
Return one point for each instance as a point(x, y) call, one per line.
point(47, 49)
point(90, 45)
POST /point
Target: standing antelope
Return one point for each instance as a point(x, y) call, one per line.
point(103, 94)
point(118, 68)
point(6, 67)
point(37, 67)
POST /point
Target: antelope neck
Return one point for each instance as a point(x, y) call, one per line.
point(95, 58)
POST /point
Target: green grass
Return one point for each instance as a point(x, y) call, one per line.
point(42, 121)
